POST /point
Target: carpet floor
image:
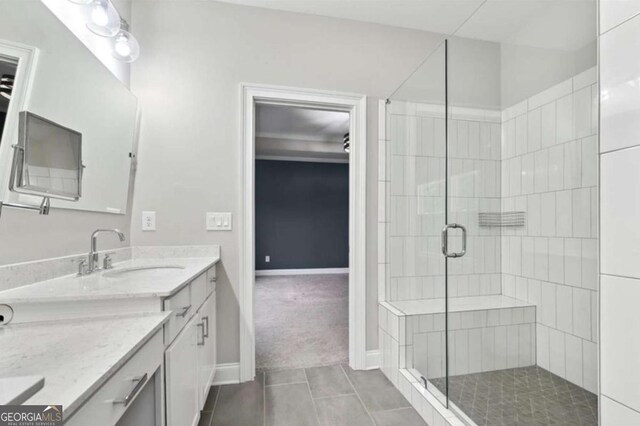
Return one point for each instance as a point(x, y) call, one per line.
point(301, 320)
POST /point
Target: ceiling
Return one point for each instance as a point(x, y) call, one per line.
point(553, 24)
point(441, 16)
point(297, 132)
point(290, 122)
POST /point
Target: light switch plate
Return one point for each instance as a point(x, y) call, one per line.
point(148, 221)
point(218, 221)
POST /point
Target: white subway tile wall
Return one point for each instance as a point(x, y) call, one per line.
point(620, 197)
point(484, 340)
point(540, 157)
point(415, 214)
point(551, 173)
point(394, 330)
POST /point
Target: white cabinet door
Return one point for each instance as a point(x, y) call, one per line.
point(206, 351)
point(182, 388)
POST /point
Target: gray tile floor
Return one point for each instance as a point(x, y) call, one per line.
point(521, 396)
point(331, 395)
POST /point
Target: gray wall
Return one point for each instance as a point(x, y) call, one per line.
point(302, 215)
point(190, 152)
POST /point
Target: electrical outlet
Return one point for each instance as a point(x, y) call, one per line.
point(148, 221)
point(267, 259)
point(218, 221)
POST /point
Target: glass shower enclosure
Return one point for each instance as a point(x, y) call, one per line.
point(491, 230)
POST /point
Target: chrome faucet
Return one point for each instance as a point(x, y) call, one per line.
point(93, 254)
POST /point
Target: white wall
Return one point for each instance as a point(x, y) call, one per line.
point(529, 70)
point(195, 55)
point(620, 209)
point(74, 17)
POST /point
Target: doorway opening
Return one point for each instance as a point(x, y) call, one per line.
point(301, 236)
point(302, 293)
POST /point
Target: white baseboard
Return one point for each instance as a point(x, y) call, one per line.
point(373, 360)
point(272, 272)
point(227, 374)
point(303, 159)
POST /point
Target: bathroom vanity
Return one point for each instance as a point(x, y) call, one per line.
point(132, 345)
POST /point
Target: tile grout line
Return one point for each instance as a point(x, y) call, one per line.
point(313, 402)
point(284, 384)
point(358, 395)
point(215, 404)
point(334, 396)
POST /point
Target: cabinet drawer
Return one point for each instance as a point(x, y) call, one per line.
point(100, 409)
point(199, 290)
point(182, 310)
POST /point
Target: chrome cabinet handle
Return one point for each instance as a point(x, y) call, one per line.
point(183, 314)
point(213, 280)
point(140, 381)
point(445, 240)
point(200, 325)
point(206, 321)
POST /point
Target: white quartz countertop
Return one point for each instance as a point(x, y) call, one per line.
point(74, 357)
point(106, 285)
point(15, 390)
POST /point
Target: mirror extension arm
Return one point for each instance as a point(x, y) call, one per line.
point(44, 208)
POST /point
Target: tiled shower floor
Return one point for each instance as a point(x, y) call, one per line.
point(521, 396)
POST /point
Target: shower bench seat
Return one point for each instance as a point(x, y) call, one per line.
point(458, 304)
point(486, 333)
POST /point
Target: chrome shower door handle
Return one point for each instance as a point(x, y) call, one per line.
point(445, 240)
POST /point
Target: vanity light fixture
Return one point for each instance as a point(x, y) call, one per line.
point(6, 85)
point(105, 21)
point(124, 45)
point(346, 145)
point(104, 18)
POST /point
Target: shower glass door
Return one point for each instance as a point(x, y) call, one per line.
point(416, 215)
point(491, 219)
point(478, 330)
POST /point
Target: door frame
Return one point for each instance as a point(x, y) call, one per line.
point(27, 61)
point(356, 105)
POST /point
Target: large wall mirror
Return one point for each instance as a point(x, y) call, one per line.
point(47, 71)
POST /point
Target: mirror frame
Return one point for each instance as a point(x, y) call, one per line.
point(21, 155)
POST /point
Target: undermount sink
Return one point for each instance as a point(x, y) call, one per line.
point(141, 270)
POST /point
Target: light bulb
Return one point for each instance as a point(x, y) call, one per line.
point(122, 47)
point(99, 15)
point(125, 47)
point(104, 19)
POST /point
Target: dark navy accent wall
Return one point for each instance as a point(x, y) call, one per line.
point(302, 215)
